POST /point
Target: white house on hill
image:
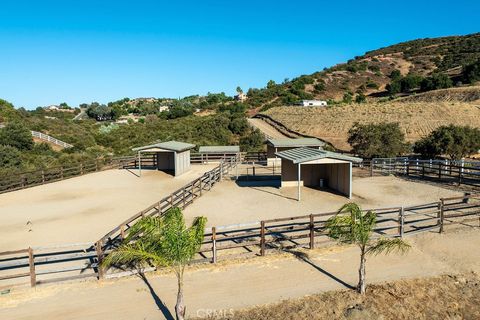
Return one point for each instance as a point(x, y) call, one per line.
point(313, 103)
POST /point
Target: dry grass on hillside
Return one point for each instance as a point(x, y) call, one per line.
point(417, 119)
point(462, 94)
point(445, 297)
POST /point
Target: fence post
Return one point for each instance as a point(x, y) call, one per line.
point(408, 167)
point(440, 215)
point(43, 176)
point(214, 245)
point(371, 168)
point(401, 221)
point(98, 248)
point(183, 197)
point(81, 168)
point(31, 263)
point(221, 170)
point(201, 185)
point(312, 232)
point(439, 171)
point(122, 232)
point(61, 173)
point(262, 238)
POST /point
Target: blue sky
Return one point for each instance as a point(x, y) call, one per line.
point(83, 51)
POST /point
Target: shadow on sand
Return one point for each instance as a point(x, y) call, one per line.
point(257, 185)
point(302, 256)
point(161, 306)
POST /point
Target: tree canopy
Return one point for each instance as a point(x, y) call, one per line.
point(455, 141)
point(377, 140)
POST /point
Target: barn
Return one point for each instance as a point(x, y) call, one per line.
point(276, 145)
point(172, 157)
point(318, 169)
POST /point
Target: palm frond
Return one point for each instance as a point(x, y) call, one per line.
point(388, 246)
point(159, 241)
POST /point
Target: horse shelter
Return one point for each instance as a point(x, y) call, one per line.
point(172, 157)
point(318, 169)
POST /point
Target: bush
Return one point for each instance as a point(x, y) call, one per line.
point(377, 140)
point(15, 134)
point(360, 98)
point(455, 141)
point(10, 157)
point(472, 72)
point(437, 81)
point(347, 97)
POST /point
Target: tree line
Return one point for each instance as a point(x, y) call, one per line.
point(386, 140)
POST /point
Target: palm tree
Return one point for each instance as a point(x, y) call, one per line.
point(162, 242)
point(350, 225)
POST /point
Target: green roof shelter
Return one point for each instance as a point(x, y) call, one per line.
point(277, 145)
point(171, 156)
point(317, 168)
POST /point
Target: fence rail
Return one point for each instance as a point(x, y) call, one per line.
point(29, 179)
point(46, 137)
point(459, 172)
point(58, 263)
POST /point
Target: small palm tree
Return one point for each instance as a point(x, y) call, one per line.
point(350, 225)
point(162, 242)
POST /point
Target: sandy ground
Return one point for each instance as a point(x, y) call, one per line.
point(253, 282)
point(82, 209)
point(231, 202)
point(269, 131)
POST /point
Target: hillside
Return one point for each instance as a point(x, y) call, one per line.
point(417, 119)
point(371, 73)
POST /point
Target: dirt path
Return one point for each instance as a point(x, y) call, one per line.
point(269, 131)
point(253, 282)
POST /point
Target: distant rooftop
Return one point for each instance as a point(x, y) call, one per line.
point(299, 155)
point(219, 149)
point(169, 145)
point(299, 142)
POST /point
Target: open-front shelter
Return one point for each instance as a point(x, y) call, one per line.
point(317, 168)
point(217, 153)
point(277, 145)
point(171, 156)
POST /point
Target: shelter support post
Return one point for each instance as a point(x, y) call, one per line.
point(298, 181)
point(139, 164)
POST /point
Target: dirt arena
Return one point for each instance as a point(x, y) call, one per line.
point(82, 209)
point(231, 202)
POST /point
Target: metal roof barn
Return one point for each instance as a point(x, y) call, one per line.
point(277, 145)
point(171, 156)
point(317, 168)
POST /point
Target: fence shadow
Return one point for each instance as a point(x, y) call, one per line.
point(304, 257)
point(257, 186)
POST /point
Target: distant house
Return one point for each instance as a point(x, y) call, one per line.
point(52, 108)
point(163, 108)
point(240, 97)
point(313, 103)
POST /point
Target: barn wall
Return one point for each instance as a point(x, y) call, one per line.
point(182, 162)
point(339, 177)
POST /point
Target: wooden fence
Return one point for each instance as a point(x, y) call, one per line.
point(47, 138)
point(459, 172)
point(38, 177)
point(67, 262)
